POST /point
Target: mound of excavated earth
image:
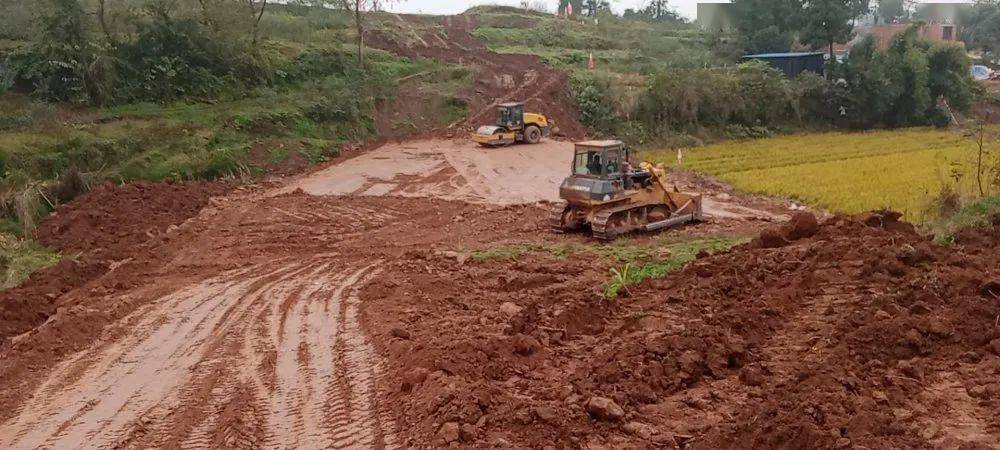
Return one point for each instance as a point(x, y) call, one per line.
point(853, 332)
point(112, 219)
point(101, 227)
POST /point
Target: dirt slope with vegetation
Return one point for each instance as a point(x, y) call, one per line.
point(97, 232)
point(498, 77)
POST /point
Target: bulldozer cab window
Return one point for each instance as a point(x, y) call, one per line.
point(587, 162)
point(612, 161)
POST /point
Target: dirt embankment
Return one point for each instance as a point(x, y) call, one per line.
point(96, 232)
point(498, 77)
point(851, 332)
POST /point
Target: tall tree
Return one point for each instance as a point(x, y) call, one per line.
point(660, 11)
point(357, 8)
point(982, 28)
point(255, 16)
point(890, 10)
point(828, 22)
point(767, 25)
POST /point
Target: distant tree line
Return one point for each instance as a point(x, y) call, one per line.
point(913, 82)
point(775, 25)
point(981, 28)
point(107, 51)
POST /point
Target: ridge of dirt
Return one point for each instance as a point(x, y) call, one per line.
point(854, 331)
point(498, 77)
point(111, 219)
point(96, 232)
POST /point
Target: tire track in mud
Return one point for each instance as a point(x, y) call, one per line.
point(261, 358)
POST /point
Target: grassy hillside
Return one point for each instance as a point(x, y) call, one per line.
point(618, 45)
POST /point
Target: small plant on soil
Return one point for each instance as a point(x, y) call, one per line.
point(618, 285)
point(656, 262)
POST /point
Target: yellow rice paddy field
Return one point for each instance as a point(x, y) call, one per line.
point(842, 172)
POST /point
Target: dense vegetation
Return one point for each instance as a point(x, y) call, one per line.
point(899, 86)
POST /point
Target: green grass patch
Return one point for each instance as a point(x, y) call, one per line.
point(667, 259)
point(20, 257)
point(977, 214)
point(633, 262)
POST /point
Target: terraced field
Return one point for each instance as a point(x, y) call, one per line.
point(848, 172)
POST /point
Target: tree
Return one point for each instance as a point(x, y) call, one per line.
point(859, 8)
point(890, 10)
point(904, 84)
point(654, 11)
point(357, 8)
point(64, 51)
point(591, 8)
point(982, 27)
point(950, 69)
point(106, 18)
point(660, 11)
point(828, 22)
point(255, 17)
point(978, 135)
point(767, 25)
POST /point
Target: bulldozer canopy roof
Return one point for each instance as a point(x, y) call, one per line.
point(511, 104)
point(599, 144)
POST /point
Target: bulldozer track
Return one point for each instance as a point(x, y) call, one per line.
point(599, 225)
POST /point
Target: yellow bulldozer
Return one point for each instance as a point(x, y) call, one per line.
point(607, 195)
point(513, 125)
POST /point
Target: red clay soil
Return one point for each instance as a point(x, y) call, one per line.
point(498, 77)
point(112, 219)
point(96, 231)
point(241, 232)
point(855, 331)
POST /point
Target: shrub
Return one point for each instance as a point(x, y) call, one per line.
point(594, 100)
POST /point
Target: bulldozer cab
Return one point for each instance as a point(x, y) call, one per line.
point(601, 159)
point(510, 115)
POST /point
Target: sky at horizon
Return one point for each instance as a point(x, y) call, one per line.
point(686, 8)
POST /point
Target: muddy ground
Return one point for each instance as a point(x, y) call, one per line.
point(856, 333)
point(289, 314)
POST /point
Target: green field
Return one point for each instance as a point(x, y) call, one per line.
point(844, 172)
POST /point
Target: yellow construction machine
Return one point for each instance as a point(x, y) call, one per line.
point(606, 194)
point(513, 125)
